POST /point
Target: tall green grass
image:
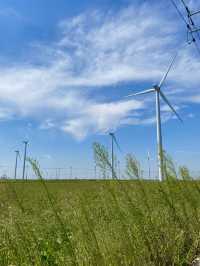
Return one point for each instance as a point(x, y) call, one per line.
point(105, 222)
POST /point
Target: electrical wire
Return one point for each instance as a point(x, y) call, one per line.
point(190, 18)
point(189, 28)
point(186, 7)
point(179, 12)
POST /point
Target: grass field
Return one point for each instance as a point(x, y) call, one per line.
point(99, 222)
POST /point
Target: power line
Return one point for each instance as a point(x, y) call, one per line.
point(195, 12)
point(179, 12)
point(192, 23)
point(190, 18)
point(183, 2)
point(189, 28)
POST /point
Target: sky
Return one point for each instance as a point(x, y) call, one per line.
point(66, 67)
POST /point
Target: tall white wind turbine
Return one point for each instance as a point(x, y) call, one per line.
point(159, 93)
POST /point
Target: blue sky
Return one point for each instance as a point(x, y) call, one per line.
point(65, 67)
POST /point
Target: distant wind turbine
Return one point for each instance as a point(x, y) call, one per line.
point(24, 163)
point(16, 163)
point(149, 163)
point(159, 93)
point(113, 140)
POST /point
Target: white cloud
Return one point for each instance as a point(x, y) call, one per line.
point(97, 50)
point(190, 115)
point(195, 98)
point(100, 118)
point(47, 124)
point(5, 114)
point(118, 47)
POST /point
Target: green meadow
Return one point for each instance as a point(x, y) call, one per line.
point(107, 222)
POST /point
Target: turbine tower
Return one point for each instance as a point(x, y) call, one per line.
point(25, 152)
point(149, 164)
point(16, 164)
point(159, 94)
point(113, 140)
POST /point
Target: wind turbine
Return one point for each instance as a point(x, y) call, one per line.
point(149, 164)
point(159, 94)
point(113, 140)
point(25, 152)
point(16, 163)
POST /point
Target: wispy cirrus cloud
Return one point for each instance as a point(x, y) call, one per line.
point(97, 50)
point(100, 117)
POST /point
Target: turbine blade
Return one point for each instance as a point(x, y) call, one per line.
point(140, 93)
point(166, 74)
point(116, 142)
point(171, 107)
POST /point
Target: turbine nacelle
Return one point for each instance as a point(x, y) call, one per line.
point(156, 87)
point(112, 134)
